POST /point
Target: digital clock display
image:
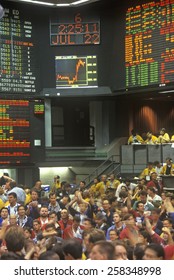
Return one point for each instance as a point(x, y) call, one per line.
point(79, 31)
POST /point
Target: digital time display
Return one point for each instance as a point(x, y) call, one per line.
point(78, 31)
point(76, 71)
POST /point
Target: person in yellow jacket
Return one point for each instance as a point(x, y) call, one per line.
point(163, 137)
point(101, 186)
point(113, 183)
point(168, 168)
point(92, 189)
point(57, 184)
point(135, 138)
point(1, 203)
point(147, 171)
point(172, 139)
point(151, 139)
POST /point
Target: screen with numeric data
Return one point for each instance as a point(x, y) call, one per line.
point(149, 44)
point(18, 68)
point(14, 131)
point(21, 126)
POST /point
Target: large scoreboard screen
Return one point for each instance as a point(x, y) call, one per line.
point(149, 44)
point(18, 66)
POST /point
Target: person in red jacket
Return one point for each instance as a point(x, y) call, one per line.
point(65, 221)
point(75, 230)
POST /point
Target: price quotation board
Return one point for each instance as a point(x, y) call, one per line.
point(14, 131)
point(18, 70)
point(149, 44)
point(78, 30)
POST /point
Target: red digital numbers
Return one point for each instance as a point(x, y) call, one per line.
point(76, 33)
point(91, 39)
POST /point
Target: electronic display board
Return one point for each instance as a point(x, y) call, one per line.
point(14, 131)
point(39, 108)
point(149, 44)
point(19, 71)
point(76, 71)
point(21, 126)
point(78, 30)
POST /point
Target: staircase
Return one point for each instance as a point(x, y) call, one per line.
point(110, 165)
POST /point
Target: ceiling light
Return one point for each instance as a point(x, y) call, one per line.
point(167, 91)
point(43, 3)
point(79, 2)
point(38, 2)
point(25, 0)
point(63, 5)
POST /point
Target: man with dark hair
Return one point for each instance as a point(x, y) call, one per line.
point(22, 219)
point(100, 220)
point(148, 206)
point(154, 251)
point(13, 205)
point(88, 224)
point(118, 225)
point(168, 168)
point(4, 214)
point(130, 232)
point(49, 255)
point(147, 171)
point(91, 238)
point(44, 219)
point(75, 230)
point(163, 136)
point(150, 138)
point(33, 205)
point(135, 138)
point(54, 205)
point(21, 195)
point(82, 186)
point(154, 198)
point(102, 250)
point(72, 249)
point(154, 183)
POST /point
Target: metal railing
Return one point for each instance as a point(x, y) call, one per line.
point(108, 166)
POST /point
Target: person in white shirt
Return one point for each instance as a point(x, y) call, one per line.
point(158, 167)
point(153, 197)
point(127, 183)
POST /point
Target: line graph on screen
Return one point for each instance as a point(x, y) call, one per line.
point(75, 71)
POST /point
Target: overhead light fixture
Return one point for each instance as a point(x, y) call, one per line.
point(79, 2)
point(63, 5)
point(25, 0)
point(167, 91)
point(38, 2)
point(43, 3)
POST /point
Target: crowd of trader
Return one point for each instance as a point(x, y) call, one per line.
point(114, 218)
